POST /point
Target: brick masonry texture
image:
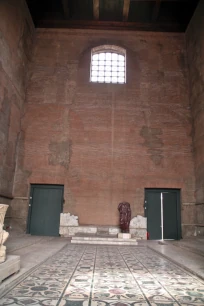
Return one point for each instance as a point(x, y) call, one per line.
point(16, 31)
point(195, 53)
point(106, 143)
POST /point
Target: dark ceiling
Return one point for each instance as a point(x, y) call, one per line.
point(147, 15)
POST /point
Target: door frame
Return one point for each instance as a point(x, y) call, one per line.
point(32, 187)
point(178, 198)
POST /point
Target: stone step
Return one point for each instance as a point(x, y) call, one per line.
point(124, 242)
point(103, 239)
point(103, 229)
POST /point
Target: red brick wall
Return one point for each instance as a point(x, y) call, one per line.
point(16, 30)
point(104, 142)
point(195, 52)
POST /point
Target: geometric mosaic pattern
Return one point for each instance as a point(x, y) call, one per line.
point(107, 276)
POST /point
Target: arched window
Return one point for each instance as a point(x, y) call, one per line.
point(108, 64)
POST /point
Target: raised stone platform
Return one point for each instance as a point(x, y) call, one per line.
point(96, 239)
point(67, 231)
point(69, 227)
point(9, 267)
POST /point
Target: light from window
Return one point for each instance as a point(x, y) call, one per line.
point(108, 67)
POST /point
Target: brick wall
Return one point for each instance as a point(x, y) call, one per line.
point(106, 143)
point(16, 30)
point(195, 52)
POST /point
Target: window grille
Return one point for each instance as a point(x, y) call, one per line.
point(108, 65)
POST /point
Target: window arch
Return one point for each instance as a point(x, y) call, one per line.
point(108, 64)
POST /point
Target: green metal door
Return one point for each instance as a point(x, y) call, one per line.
point(171, 213)
point(45, 208)
point(153, 214)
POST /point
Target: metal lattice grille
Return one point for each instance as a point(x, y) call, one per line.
point(108, 67)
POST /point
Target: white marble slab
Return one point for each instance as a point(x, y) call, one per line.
point(124, 235)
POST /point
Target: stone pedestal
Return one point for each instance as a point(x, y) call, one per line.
point(124, 235)
point(9, 267)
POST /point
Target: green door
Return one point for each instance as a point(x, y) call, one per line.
point(153, 214)
point(45, 208)
point(171, 213)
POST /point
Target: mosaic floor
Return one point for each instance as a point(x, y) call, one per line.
point(107, 275)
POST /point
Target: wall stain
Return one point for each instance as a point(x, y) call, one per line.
point(60, 153)
point(153, 143)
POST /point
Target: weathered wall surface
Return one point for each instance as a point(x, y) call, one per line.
point(195, 53)
point(16, 32)
point(104, 142)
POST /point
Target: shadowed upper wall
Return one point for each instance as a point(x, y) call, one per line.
point(195, 53)
point(16, 33)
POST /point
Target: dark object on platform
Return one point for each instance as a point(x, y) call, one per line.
point(125, 216)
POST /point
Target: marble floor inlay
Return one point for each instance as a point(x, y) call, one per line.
point(81, 275)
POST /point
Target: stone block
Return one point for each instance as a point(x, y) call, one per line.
point(64, 231)
point(9, 267)
point(114, 230)
point(67, 231)
point(138, 222)
point(138, 227)
point(88, 229)
point(66, 219)
point(124, 235)
point(139, 233)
